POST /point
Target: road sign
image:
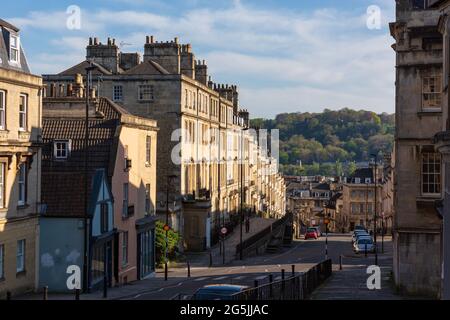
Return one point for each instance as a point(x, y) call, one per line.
point(224, 230)
point(166, 227)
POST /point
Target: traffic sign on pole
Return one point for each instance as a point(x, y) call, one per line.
point(224, 230)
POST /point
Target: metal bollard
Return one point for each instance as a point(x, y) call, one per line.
point(210, 259)
point(365, 250)
point(46, 293)
point(257, 291)
point(189, 269)
point(293, 270)
point(270, 286)
point(77, 294)
point(8, 295)
point(105, 287)
point(340, 262)
point(282, 274)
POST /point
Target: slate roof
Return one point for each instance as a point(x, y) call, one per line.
point(147, 68)
point(5, 30)
point(81, 69)
point(63, 181)
point(361, 173)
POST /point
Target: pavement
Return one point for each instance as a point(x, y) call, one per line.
point(177, 275)
point(202, 259)
point(350, 283)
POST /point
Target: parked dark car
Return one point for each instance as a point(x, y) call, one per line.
point(218, 292)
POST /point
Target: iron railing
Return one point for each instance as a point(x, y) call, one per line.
point(298, 287)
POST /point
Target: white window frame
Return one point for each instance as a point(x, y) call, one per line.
point(15, 48)
point(433, 92)
point(22, 184)
point(23, 113)
point(2, 109)
point(148, 199)
point(20, 255)
point(357, 180)
point(67, 148)
point(2, 185)
point(148, 150)
point(125, 238)
point(142, 95)
point(437, 175)
point(118, 93)
point(125, 194)
point(2, 261)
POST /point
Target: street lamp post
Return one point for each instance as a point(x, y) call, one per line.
point(375, 213)
point(169, 179)
point(242, 189)
point(86, 184)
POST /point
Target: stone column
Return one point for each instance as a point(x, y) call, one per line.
point(445, 152)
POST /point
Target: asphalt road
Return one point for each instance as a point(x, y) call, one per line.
point(303, 254)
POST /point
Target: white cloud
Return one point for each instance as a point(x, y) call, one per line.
point(282, 60)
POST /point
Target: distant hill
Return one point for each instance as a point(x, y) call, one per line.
point(331, 141)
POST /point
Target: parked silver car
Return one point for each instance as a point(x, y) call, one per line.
point(362, 244)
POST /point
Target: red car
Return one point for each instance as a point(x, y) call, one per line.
point(311, 233)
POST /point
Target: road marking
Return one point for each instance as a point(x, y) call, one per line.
point(239, 278)
point(201, 279)
point(278, 278)
point(260, 277)
point(221, 278)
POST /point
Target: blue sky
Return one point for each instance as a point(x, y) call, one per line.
point(285, 56)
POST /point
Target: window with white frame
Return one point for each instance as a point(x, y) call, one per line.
point(22, 184)
point(118, 93)
point(147, 200)
point(61, 149)
point(23, 106)
point(125, 200)
point(2, 261)
point(14, 45)
point(357, 180)
point(145, 92)
point(148, 150)
point(124, 248)
point(431, 174)
point(2, 110)
point(431, 92)
point(20, 256)
point(2, 184)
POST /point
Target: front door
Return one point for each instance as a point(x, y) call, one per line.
point(146, 253)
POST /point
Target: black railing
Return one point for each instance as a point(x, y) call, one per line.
point(298, 287)
point(263, 233)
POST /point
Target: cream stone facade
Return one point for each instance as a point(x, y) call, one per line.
point(202, 135)
point(417, 229)
point(20, 156)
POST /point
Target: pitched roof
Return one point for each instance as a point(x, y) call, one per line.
point(147, 68)
point(63, 181)
point(5, 30)
point(362, 173)
point(81, 69)
point(8, 25)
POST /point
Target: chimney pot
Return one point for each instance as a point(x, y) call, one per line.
point(90, 41)
point(176, 40)
point(151, 39)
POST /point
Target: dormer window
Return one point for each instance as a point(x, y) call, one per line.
point(61, 149)
point(14, 45)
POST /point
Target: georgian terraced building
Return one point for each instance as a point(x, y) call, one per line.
point(420, 115)
point(201, 137)
point(20, 153)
